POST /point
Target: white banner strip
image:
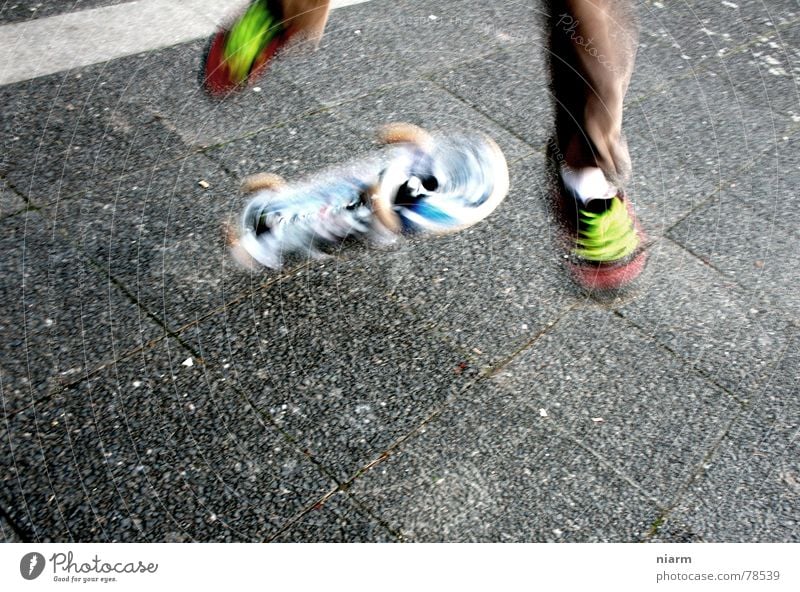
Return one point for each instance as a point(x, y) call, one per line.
point(353, 568)
point(54, 44)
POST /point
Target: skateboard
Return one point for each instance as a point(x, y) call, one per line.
point(420, 184)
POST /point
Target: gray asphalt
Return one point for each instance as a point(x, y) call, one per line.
point(456, 389)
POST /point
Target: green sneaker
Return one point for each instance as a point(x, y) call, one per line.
point(606, 234)
point(606, 245)
point(240, 53)
point(602, 239)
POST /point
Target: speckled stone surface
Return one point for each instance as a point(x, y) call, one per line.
point(450, 389)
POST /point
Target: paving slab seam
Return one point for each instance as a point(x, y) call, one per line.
point(656, 526)
point(342, 486)
point(317, 504)
point(699, 371)
point(12, 189)
point(698, 474)
point(33, 536)
point(75, 130)
point(399, 442)
point(53, 498)
point(217, 476)
point(683, 488)
point(272, 126)
point(262, 286)
point(26, 510)
point(708, 263)
point(499, 366)
point(250, 134)
point(345, 485)
point(735, 173)
point(567, 434)
point(90, 372)
point(72, 195)
point(488, 116)
point(14, 526)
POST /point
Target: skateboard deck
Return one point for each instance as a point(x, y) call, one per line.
point(422, 184)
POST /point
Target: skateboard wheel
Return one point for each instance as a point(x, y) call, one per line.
point(404, 133)
point(261, 181)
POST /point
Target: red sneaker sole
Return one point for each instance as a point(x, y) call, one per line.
point(608, 277)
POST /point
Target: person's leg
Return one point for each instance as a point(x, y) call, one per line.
point(306, 19)
point(592, 50)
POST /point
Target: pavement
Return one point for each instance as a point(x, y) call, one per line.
point(453, 389)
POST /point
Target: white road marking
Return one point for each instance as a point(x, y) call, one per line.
point(54, 44)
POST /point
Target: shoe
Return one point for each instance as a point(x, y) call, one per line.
point(241, 53)
point(604, 240)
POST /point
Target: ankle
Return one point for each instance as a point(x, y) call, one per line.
point(587, 183)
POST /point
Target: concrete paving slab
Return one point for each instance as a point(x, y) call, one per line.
point(489, 289)
point(296, 149)
point(24, 10)
point(167, 84)
point(750, 488)
point(505, 23)
point(339, 520)
point(354, 57)
point(769, 188)
point(382, 44)
point(62, 317)
point(431, 108)
point(337, 362)
point(727, 333)
point(66, 132)
point(154, 449)
point(623, 397)
point(430, 35)
point(765, 74)
point(748, 249)
point(159, 233)
point(510, 87)
point(687, 141)
point(491, 469)
point(707, 30)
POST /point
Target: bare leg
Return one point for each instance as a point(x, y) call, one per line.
point(592, 50)
point(306, 19)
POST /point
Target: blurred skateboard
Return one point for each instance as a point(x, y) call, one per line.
point(421, 184)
